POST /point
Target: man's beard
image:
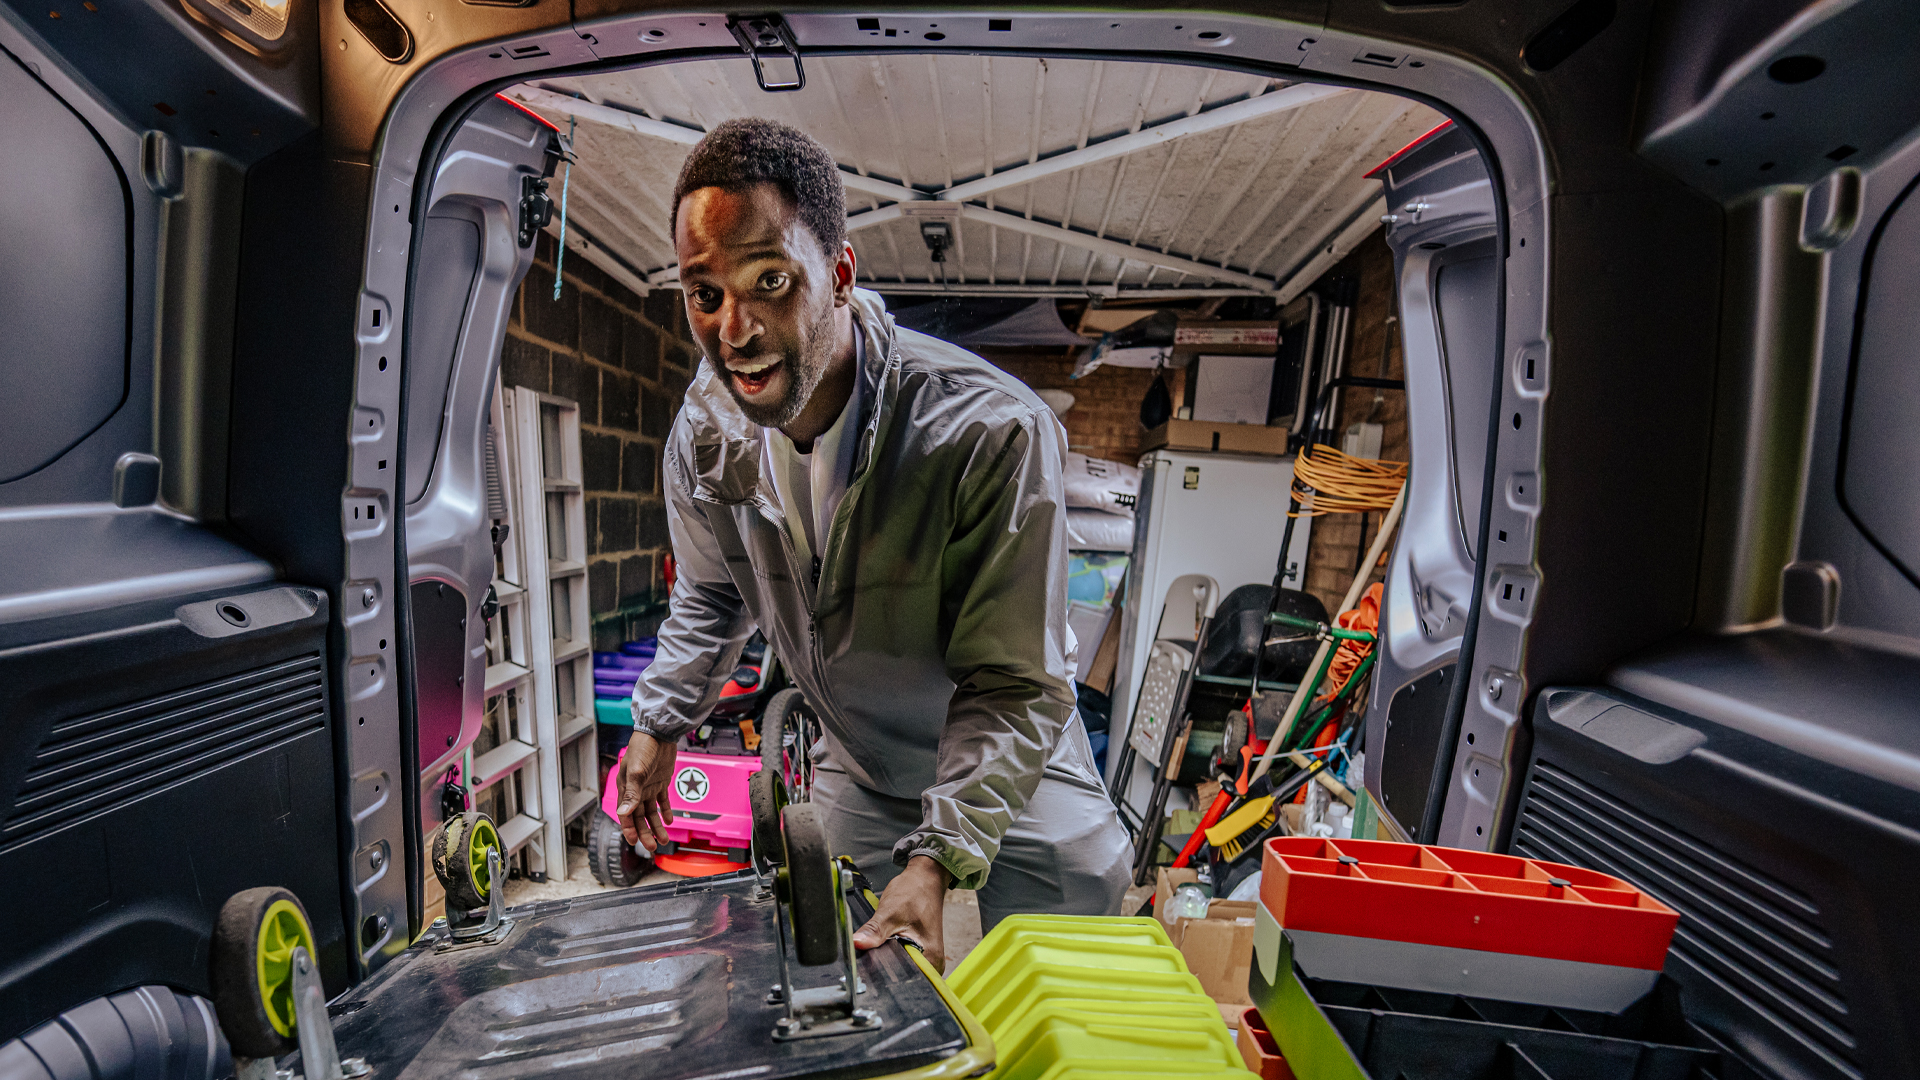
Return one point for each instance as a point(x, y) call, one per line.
point(805, 365)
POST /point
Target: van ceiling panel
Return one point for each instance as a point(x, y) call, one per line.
point(1237, 202)
point(67, 235)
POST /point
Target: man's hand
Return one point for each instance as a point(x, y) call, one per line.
point(913, 907)
point(644, 812)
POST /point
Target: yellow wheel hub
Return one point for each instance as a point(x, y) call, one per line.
point(281, 929)
point(482, 839)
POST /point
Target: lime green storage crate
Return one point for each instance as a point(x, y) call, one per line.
point(1091, 998)
point(1038, 983)
point(1125, 1034)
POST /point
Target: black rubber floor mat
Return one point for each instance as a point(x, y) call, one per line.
point(667, 982)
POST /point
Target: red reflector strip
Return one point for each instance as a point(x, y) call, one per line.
point(1407, 149)
point(550, 126)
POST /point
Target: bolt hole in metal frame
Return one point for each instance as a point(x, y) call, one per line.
point(432, 105)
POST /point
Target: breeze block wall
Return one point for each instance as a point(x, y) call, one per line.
point(1105, 419)
point(1339, 539)
point(627, 360)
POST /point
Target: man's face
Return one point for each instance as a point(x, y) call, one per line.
point(760, 296)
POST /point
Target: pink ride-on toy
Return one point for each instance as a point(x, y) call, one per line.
point(712, 829)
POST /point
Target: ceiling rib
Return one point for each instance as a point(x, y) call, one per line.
point(1358, 155)
point(1136, 260)
point(1100, 245)
point(1094, 245)
point(685, 136)
point(1292, 97)
point(1332, 248)
point(1041, 289)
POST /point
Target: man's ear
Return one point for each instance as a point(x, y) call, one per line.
point(843, 271)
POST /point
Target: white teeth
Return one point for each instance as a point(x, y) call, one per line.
point(750, 368)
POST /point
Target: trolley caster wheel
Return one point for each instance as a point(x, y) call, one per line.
point(813, 887)
point(612, 860)
point(460, 859)
point(251, 969)
point(786, 739)
point(767, 796)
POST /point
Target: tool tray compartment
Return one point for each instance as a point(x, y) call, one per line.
point(1332, 1030)
point(666, 982)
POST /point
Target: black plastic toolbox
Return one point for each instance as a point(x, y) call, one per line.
point(1348, 1031)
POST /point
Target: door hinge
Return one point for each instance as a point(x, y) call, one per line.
point(769, 34)
point(536, 208)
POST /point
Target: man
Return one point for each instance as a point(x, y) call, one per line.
point(887, 508)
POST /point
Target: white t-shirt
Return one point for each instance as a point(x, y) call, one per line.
point(810, 486)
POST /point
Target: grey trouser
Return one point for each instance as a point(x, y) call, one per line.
point(1066, 855)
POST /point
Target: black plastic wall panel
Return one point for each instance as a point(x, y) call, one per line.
point(156, 759)
point(1794, 873)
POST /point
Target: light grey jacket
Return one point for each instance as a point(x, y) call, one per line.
point(931, 637)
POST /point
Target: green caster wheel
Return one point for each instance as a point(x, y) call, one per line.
point(460, 860)
point(252, 969)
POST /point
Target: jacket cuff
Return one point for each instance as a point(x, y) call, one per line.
point(661, 726)
point(967, 868)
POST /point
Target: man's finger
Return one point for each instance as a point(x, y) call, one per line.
point(870, 935)
point(659, 812)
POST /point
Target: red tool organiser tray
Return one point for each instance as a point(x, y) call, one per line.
point(1462, 899)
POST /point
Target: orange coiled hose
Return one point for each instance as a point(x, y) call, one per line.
point(1343, 484)
point(1364, 616)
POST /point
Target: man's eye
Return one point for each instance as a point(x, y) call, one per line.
point(705, 298)
point(773, 282)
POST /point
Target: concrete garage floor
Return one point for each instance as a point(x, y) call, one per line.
point(962, 912)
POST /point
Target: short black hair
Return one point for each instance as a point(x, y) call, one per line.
point(742, 152)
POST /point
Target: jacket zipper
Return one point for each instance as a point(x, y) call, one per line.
point(814, 656)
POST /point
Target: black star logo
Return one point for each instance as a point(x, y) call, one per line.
point(693, 786)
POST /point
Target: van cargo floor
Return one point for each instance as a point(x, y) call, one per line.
point(667, 981)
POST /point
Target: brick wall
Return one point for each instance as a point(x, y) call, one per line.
point(626, 360)
point(1337, 538)
point(1105, 419)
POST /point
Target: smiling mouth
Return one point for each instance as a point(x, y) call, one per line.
point(752, 382)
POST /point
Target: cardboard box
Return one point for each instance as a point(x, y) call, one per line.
point(1218, 948)
point(1207, 335)
point(1217, 437)
point(1107, 655)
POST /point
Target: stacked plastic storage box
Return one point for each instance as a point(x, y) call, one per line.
point(1375, 959)
point(614, 674)
point(1083, 997)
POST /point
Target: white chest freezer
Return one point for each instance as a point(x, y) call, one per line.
point(1218, 515)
